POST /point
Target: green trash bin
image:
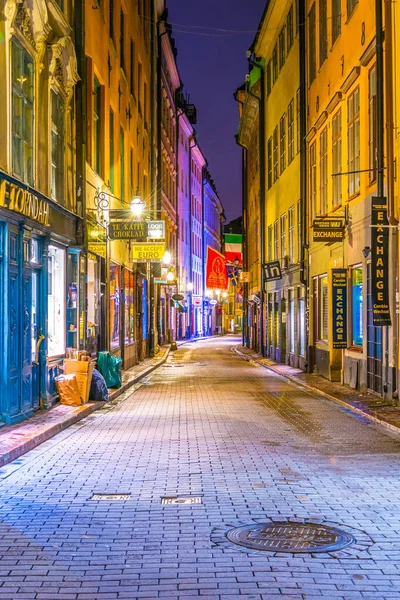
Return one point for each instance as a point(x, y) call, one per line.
point(110, 367)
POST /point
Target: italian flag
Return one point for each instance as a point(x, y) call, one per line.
point(233, 247)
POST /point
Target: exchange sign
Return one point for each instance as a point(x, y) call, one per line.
point(328, 230)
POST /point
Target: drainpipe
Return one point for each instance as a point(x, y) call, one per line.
point(261, 123)
point(301, 19)
point(191, 139)
point(392, 217)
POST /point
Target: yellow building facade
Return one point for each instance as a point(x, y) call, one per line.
point(342, 183)
point(118, 64)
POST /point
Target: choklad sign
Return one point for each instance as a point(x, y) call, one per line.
point(380, 262)
point(339, 308)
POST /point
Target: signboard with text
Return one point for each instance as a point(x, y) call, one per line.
point(380, 263)
point(328, 230)
point(272, 270)
point(147, 251)
point(127, 230)
point(339, 308)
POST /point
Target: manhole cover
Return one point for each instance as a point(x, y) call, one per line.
point(111, 497)
point(290, 537)
point(181, 500)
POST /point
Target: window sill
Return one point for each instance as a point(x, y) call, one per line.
point(356, 349)
point(354, 196)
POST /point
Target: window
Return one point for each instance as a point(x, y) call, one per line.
point(291, 235)
point(122, 163)
point(301, 324)
point(299, 231)
point(351, 4)
point(323, 152)
point(282, 128)
point(140, 86)
point(276, 237)
point(22, 113)
point(313, 179)
point(289, 29)
point(290, 131)
point(283, 236)
point(323, 32)
point(131, 168)
point(337, 158)
point(97, 121)
point(312, 63)
point(282, 48)
point(132, 68)
point(129, 307)
point(275, 64)
point(321, 283)
point(270, 243)
point(111, 16)
point(112, 151)
point(372, 142)
point(115, 305)
point(298, 119)
point(56, 297)
point(57, 146)
point(336, 20)
point(357, 306)
point(269, 77)
point(122, 41)
point(291, 316)
point(270, 163)
point(276, 154)
point(353, 111)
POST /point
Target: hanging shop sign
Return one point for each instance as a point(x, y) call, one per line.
point(97, 237)
point(147, 251)
point(127, 230)
point(156, 229)
point(272, 270)
point(328, 230)
point(244, 277)
point(24, 202)
point(380, 263)
point(339, 308)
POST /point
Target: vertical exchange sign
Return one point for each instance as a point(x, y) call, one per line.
point(339, 308)
point(380, 263)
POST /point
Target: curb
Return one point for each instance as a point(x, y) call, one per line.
point(315, 390)
point(51, 431)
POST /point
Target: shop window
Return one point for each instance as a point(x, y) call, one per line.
point(129, 308)
point(72, 299)
point(22, 113)
point(291, 321)
point(56, 301)
point(323, 308)
point(57, 147)
point(357, 306)
point(115, 305)
point(301, 322)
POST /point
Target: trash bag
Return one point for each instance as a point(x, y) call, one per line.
point(68, 390)
point(98, 387)
point(110, 367)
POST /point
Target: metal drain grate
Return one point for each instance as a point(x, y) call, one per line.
point(181, 500)
point(111, 497)
point(290, 537)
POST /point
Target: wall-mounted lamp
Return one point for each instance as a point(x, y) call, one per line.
point(366, 251)
point(137, 205)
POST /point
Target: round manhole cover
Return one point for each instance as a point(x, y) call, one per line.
point(290, 537)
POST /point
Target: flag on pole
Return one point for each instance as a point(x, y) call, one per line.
point(216, 275)
point(233, 247)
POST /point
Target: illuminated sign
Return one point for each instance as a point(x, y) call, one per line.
point(147, 251)
point(339, 308)
point(272, 270)
point(156, 229)
point(127, 230)
point(328, 230)
point(380, 263)
point(24, 202)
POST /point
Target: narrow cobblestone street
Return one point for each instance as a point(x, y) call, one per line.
point(250, 446)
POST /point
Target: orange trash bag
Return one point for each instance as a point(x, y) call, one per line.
point(68, 390)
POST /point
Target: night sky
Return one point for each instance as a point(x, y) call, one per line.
point(212, 64)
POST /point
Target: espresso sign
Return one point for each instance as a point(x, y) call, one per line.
point(328, 230)
point(24, 202)
point(339, 308)
point(127, 230)
point(380, 263)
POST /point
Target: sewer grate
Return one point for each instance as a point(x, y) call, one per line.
point(181, 500)
point(111, 497)
point(290, 537)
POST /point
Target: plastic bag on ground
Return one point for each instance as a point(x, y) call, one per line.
point(98, 387)
point(110, 367)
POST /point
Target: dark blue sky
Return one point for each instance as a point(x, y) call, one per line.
point(212, 64)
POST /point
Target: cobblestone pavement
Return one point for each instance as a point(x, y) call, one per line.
point(251, 446)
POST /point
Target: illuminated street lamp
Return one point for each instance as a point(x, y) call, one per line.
point(170, 276)
point(189, 287)
point(166, 259)
point(137, 205)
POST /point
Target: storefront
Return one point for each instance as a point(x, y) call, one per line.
point(41, 300)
